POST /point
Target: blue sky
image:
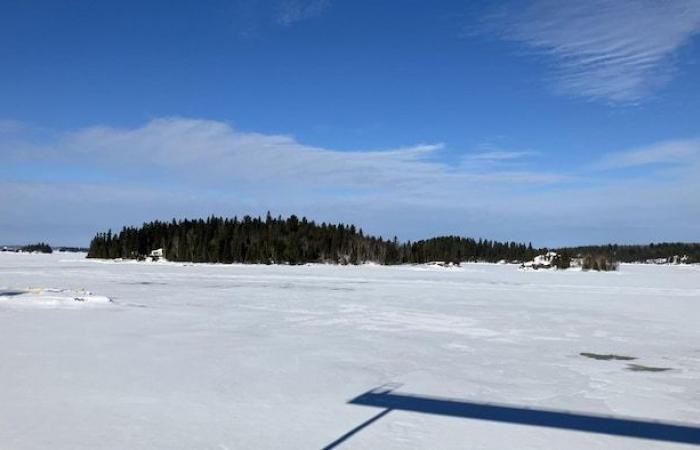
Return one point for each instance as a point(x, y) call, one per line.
point(538, 120)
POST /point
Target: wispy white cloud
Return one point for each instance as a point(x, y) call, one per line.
point(254, 18)
point(214, 153)
point(188, 167)
point(680, 151)
point(292, 11)
point(614, 50)
point(499, 155)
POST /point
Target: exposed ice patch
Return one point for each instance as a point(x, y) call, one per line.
point(50, 297)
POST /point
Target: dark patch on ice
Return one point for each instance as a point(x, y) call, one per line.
point(11, 293)
point(130, 305)
point(642, 368)
point(134, 305)
point(607, 357)
point(145, 283)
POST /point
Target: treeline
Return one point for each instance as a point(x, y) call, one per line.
point(296, 241)
point(640, 253)
point(458, 249)
point(40, 247)
point(72, 249)
point(293, 241)
point(599, 262)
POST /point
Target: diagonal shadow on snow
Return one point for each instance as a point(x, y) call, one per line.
point(616, 426)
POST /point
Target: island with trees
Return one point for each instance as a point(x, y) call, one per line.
point(295, 240)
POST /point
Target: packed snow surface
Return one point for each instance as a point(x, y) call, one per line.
point(126, 355)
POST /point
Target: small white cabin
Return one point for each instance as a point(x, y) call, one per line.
point(157, 254)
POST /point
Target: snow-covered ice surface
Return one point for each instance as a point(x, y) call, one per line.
point(174, 356)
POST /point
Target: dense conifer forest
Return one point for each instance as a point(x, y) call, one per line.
point(297, 241)
point(41, 247)
point(292, 240)
point(640, 253)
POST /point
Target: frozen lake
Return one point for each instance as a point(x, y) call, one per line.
point(238, 357)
